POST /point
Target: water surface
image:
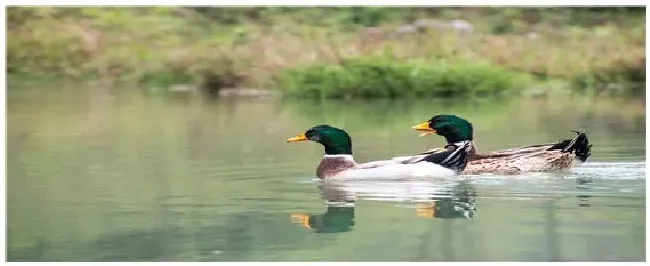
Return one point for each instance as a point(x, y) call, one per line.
point(96, 175)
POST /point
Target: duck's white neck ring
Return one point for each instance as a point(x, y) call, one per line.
point(468, 144)
point(461, 143)
point(339, 156)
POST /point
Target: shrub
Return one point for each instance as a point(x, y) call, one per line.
point(382, 77)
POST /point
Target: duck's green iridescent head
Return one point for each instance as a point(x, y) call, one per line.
point(335, 140)
point(451, 127)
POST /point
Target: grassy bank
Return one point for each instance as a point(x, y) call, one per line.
point(334, 52)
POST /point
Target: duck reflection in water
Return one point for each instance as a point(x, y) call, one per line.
point(339, 216)
point(337, 219)
point(457, 201)
point(460, 204)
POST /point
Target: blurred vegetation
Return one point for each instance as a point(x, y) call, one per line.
point(389, 78)
point(334, 52)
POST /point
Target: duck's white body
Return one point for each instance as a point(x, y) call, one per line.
point(398, 171)
point(345, 168)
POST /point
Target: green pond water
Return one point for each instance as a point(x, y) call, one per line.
point(123, 175)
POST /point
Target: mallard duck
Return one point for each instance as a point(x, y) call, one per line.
point(561, 155)
point(338, 162)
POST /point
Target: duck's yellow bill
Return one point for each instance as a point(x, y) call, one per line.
point(425, 128)
point(298, 138)
point(301, 218)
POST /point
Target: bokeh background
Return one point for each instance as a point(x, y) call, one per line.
point(158, 133)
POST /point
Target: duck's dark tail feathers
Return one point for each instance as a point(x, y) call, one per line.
point(579, 146)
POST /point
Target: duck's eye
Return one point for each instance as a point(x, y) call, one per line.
point(311, 134)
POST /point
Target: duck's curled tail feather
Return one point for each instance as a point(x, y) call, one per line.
point(579, 145)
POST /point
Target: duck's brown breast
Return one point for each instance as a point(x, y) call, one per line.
point(331, 166)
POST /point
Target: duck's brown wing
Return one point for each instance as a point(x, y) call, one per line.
point(552, 156)
point(578, 145)
point(510, 152)
point(531, 161)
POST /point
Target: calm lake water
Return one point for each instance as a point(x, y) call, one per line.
point(127, 176)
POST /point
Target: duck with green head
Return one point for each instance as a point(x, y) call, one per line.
point(338, 162)
point(561, 155)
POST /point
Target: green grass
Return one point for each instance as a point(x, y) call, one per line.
point(377, 77)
